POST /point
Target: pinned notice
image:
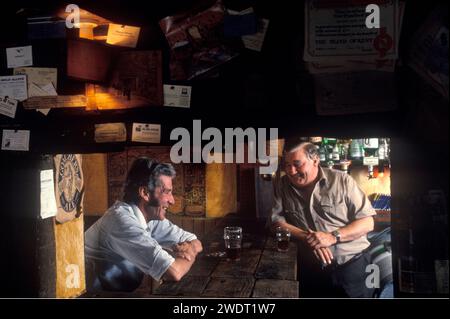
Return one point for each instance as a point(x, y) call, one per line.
point(48, 200)
point(19, 56)
point(39, 79)
point(14, 87)
point(15, 140)
point(8, 107)
point(146, 133)
point(123, 35)
point(177, 95)
point(110, 132)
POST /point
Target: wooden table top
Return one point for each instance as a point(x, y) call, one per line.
point(261, 272)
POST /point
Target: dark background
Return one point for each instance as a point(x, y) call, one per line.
point(266, 89)
point(257, 89)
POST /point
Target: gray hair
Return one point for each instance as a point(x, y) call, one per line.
point(145, 172)
point(311, 150)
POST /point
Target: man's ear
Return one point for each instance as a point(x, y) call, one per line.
point(144, 193)
point(316, 162)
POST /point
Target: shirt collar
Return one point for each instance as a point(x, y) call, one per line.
point(323, 179)
point(138, 213)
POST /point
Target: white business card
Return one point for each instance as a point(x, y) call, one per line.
point(177, 95)
point(19, 56)
point(15, 140)
point(146, 133)
point(8, 106)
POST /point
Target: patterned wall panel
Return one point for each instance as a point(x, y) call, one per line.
point(188, 186)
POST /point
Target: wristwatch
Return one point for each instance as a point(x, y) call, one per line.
point(336, 234)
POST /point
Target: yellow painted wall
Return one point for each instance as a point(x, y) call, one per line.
point(70, 271)
point(96, 184)
point(221, 189)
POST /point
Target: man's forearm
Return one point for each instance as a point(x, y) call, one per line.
point(356, 229)
point(178, 269)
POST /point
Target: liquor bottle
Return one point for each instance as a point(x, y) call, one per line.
point(322, 154)
point(382, 149)
point(345, 145)
point(356, 149)
point(335, 156)
point(371, 147)
point(371, 154)
point(328, 148)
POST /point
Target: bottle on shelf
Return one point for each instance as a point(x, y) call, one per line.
point(382, 148)
point(345, 145)
point(371, 147)
point(322, 154)
point(335, 154)
point(356, 149)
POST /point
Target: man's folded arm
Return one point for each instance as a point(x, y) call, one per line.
point(179, 267)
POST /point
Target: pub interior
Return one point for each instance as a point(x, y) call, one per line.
point(80, 102)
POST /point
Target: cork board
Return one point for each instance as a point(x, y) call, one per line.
point(70, 271)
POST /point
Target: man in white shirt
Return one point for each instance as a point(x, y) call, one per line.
point(133, 237)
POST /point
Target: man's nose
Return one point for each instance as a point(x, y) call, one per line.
point(291, 170)
point(171, 200)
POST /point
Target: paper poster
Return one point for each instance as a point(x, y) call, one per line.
point(39, 80)
point(48, 200)
point(15, 140)
point(122, 35)
point(69, 186)
point(146, 133)
point(110, 132)
point(177, 95)
point(19, 56)
point(196, 41)
point(357, 92)
point(336, 30)
point(14, 87)
point(8, 107)
point(361, 64)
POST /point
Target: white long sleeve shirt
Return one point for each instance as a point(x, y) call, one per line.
point(123, 236)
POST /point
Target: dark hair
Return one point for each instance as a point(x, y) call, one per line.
point(145, 172)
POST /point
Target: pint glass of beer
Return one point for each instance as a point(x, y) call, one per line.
point(233, 242)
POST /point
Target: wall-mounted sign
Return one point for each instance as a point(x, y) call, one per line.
point(69, 186)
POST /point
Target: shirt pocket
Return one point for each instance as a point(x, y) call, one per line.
point(334, 212)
